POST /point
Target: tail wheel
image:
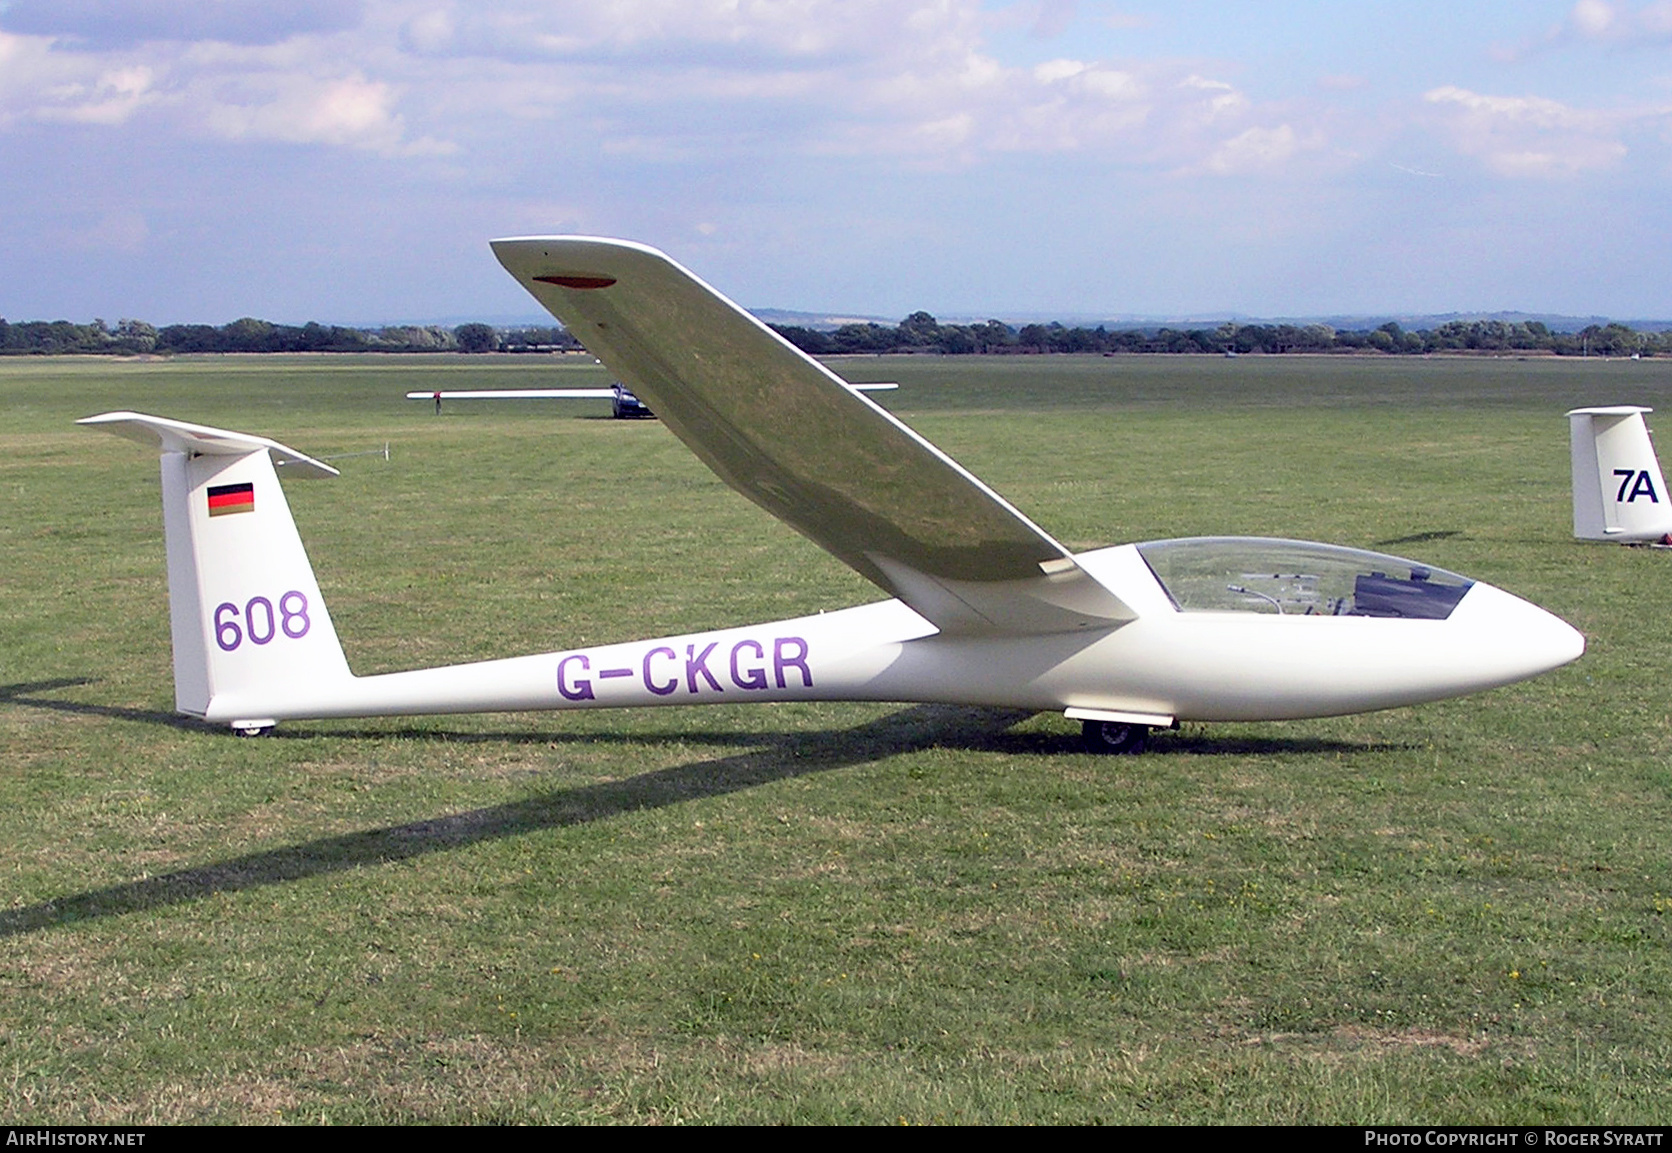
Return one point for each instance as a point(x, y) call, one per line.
point(1115, 737)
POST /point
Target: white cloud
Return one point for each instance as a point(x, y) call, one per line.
point(1258, 149)
point(1598, 22)
point(671, 32)
point(914, 78)
point(1617, 23)
point(659, 80)
point(30, 75)
point(1593, 17)
point(1053, 70)
point(110, 99)
point(1217, 99)
point(1054, 18)
point(1530, 135)
point(350, 111)
point(300, 90)
point(429, 32)
point(1114, 84)
point(38, 83)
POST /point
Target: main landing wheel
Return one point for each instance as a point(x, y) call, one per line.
point(1113, 737)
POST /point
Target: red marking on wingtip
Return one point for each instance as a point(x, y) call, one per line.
point(577, 281)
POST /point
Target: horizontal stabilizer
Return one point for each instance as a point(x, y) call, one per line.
point(200, 440)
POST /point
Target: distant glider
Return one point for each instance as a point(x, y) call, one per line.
point(623, 404)
point(1619, 493)
point(985, 609)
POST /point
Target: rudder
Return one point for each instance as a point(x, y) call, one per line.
point(1619, 493)
point(246, 616)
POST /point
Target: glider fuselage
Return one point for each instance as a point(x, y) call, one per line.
point(1165, 665)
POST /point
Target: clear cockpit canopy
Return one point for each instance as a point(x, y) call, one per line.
point(1298, 578)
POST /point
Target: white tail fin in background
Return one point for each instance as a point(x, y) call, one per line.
point(245, 611)
point(1619, 493)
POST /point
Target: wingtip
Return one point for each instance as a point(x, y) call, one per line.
point(569, 244)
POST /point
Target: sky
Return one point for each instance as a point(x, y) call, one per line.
point(347, 160)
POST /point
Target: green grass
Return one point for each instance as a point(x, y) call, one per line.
point(823, 913)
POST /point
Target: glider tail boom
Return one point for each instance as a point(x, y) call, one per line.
point(248, 624)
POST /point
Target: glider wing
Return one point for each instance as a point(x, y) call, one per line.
point(564, 393)
point(797, 440)
point(516, 394)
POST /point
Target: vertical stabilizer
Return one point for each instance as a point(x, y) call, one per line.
point(247, 619)
point(1619, 493)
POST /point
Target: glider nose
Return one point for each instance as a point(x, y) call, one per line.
point(1518, 638)
point(1551, 641)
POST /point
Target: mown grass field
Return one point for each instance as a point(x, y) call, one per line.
point(822, 913)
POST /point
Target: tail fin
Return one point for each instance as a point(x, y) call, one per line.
point(246, 615)
point(1619, 493)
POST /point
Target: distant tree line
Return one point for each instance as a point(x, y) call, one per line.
point(921, 332)
point(136, 337)
point(918, 333)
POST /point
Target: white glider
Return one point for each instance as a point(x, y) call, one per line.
point(1619, 493)
point(985, 609)
point(515, 394)
point(623, 404)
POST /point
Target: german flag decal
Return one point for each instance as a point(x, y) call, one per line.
point(225, 499)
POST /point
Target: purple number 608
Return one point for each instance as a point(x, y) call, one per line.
point(293, 620)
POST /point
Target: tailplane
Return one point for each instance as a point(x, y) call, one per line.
point(248, 622)
point(1619, 493)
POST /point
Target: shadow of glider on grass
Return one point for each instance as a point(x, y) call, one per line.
point(985, 609)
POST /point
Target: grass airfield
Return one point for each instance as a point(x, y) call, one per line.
point(802, 913)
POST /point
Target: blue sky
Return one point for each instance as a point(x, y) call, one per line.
point(184, 160)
